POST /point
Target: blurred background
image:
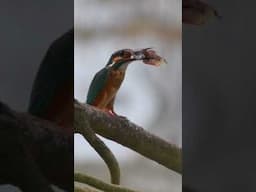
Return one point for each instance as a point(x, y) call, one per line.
point(149, 96)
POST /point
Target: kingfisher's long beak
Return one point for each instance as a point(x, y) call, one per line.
point(139, 55)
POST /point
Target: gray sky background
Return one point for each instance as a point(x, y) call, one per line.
point(149, 96)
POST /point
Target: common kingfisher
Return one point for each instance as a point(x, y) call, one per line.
point(107, 81)
point(52, 92)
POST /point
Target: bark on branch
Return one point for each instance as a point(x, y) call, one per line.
point(128, 134)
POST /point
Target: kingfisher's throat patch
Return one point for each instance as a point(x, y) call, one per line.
point(115, 60)
point(118, 58)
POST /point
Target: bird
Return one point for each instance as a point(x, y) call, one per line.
point(106, 82)
point(52, 92)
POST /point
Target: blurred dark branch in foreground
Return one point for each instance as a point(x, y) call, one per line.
point(34, 153)
point(130, 135)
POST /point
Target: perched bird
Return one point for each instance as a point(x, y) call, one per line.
point(107, 81)
point(53, 88)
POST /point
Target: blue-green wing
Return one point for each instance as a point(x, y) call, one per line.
point(97, 84)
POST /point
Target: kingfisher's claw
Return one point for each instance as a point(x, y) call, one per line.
point(112, 113)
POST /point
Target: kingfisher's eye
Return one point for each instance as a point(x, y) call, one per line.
point(121, 53)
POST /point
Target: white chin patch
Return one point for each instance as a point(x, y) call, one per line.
point(111, 64)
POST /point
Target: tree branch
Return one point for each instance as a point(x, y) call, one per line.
point(101, 148)
point(128, 134)
point(83, 189)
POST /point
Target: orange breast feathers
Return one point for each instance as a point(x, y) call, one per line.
point(114, 81)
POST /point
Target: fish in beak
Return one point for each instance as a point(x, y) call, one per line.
point(149, 56)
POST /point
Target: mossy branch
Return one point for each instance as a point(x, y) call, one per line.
point(84, 189)
point(128, 134)
point(91, 181)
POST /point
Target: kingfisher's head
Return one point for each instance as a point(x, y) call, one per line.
point(120, 59)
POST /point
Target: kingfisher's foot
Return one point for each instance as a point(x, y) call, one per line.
point(112, 113)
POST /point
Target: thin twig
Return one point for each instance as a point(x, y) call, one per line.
point(91, 181)
point(85, 129)
point(83, 189)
